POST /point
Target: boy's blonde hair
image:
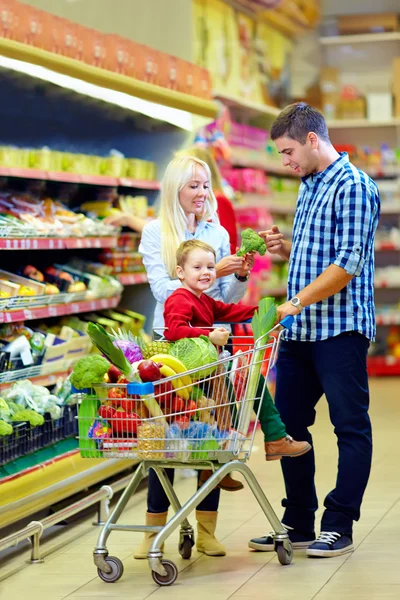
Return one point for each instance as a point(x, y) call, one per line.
point(189, 246)
point(172, 217)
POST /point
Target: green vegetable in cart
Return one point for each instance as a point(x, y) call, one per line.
point(5, 428)
point(5, 412)
point(30, 416)
point(104, 343)
point(195, 353)
point(88, 371)
point(262, 322)
point(251, 242)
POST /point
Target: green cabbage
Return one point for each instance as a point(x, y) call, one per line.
point(195, 353)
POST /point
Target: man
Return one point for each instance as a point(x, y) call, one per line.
point(331, 295)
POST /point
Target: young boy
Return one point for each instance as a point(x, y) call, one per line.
point(189, 312)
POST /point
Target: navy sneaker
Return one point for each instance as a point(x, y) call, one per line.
point(330, 543)
point(299, 540)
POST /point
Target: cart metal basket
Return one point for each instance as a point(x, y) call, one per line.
point(198, 419)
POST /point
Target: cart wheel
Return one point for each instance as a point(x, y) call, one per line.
point(185, 548)
point(284, 556)
point(117, 569)
point(170, 577)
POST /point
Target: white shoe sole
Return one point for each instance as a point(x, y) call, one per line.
point(271, 547)
point(329, 553)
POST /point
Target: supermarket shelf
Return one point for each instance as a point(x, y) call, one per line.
point(44, 380)
point(388, 319)
point(383, 366)
point(132, 278)
point(390, 209)
point(385, 286)
point(263, 201)
point(108, 79)
point(57, 310)
point(32, 490)
point(43, 243)
point(386, 246)
point(361, 123)
point(361, 38)
point(244, 157)
point(275, 292)
point(251, 109)
point(65, 177)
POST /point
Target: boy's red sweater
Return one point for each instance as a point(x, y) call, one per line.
point(185, 315)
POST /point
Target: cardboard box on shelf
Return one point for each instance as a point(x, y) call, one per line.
point(148, 65)
point(122, 55)
point(33, 26)
point(9, 18)
point(330, 91)
point(94, 48)
point(369, 23)
point(352, 108)
point(379, 106)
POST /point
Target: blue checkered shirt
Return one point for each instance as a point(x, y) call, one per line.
point(336, 218)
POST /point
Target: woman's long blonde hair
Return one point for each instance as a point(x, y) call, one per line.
point(172, 217)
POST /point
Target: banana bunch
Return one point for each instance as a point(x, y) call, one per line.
point(171, 367)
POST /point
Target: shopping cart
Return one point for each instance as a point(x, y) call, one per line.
point(198, 419)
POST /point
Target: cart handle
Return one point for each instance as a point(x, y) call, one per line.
point(287, 322)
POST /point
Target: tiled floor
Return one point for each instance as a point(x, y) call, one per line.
point(371, 572)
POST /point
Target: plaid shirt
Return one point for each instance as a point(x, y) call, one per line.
point(336, 218)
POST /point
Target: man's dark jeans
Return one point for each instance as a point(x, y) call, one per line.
point(337, 368)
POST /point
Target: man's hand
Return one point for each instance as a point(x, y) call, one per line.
point(273, 239)
point(286, 309)
point(275, 242)
point(219, 336)
point(229, 265)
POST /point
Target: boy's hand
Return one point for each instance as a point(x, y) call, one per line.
point(247, 265)
point(229, 265)
point(219, 336)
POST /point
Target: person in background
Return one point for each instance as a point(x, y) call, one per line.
point(331, 295)
point(226, 212)
point(188, 210)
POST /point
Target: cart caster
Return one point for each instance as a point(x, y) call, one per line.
point(117, 569)
point(170, 577)
point(185, 548)
point(284, 556)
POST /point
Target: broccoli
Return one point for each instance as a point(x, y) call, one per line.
point(5, 428)
point(88, 371)
point(29, 415)
point(251, 242)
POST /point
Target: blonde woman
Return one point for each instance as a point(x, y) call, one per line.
point(226, 212)
point(188, 210)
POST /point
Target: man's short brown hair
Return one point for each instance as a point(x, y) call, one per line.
point(296, 121)
point(187, 247)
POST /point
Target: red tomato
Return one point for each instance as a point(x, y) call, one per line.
point(124, 422)
point(164, 393)
point(178, 405)
point(191, 408)
point(182, 421)
point(116, 393)
point(106, 412)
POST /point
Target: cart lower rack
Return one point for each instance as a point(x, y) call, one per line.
point(198, 419)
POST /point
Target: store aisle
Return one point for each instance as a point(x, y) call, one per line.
point(370, 573)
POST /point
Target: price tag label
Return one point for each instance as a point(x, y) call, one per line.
point(74, 308)
point(53, 311)
point(28, 314)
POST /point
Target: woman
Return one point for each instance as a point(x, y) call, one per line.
point(226, 213)
point(188, 210)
